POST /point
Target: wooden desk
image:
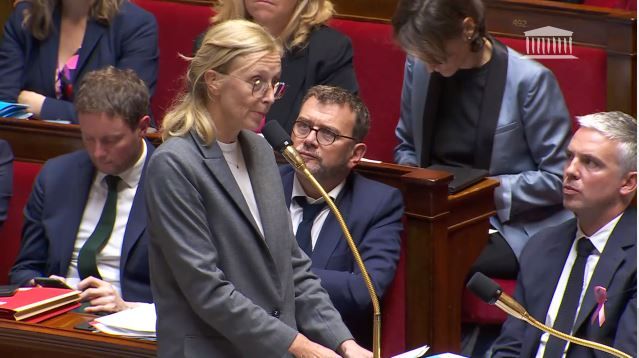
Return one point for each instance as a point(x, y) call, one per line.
point(444, 234)
point(56, 337)
point(37, 141)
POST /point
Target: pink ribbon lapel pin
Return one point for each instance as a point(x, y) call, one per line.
point(601, 296)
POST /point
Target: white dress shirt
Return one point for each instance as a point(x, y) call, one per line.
point(107, 260)
point(599, 240)
point(297, 211)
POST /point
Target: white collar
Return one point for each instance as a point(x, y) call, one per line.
point(298, 190)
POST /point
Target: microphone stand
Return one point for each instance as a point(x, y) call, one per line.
point(513, 308)
point(294, 159)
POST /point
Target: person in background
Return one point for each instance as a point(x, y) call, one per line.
point(329, 134)
point(6, 179)
point(228, 277)
point(85, 220)
point(49, 45)
point(470, 101)
point(313, 52)
point(581, 277)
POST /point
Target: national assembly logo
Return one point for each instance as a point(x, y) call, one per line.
point(549, 42)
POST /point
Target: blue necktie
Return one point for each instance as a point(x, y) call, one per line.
point(565, 319)
point(87, 265)
point(310, 212)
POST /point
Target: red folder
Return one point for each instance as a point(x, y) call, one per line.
point(35, 304)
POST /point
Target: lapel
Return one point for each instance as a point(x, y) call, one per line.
point(288, 173)
point(540, 285)
point(136, 223)
point(266, 184)
point(418, 101)
point(49, 54)
point(431, 107)
point(215, 162)
point(88, 52)
point(621, 239)
point(76, 197)
point(331, 233)
point(491, 105)
point(262, 182)
point(549, 272)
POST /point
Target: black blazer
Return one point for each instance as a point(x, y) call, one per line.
point(327, 59)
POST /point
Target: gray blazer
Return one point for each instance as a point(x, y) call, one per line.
point(528, 151)
point(222, 289)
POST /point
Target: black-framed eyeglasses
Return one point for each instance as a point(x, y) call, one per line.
point(324, 135)
point(259, 86)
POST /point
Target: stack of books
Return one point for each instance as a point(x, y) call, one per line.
point(35, 304)
point(14, 110)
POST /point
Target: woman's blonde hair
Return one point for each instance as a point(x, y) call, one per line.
point(307, 15)
point(221, 45)
point(39, 17)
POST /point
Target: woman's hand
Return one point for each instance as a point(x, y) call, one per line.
point(33, 99)
point(302, 347)
point(350, 349)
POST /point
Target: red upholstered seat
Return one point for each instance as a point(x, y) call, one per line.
point(23, 177)
point(582, 80)
point(615, 4)
point(379, 66)
point(178, 25)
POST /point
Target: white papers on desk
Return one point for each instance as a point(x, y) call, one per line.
point(415, 353)
point(138, 322)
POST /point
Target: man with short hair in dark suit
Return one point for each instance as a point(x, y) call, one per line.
point(580, 277)
point(328, 134)
point(85, 220)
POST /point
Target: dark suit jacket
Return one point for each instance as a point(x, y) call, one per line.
point(541, 264)
point(52, 217)
point(373, 213)
point(131, 41)
point(327, 59)
point(6, 179)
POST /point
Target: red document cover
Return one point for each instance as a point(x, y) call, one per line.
point(35, 304)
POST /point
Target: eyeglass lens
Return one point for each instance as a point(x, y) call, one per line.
point(260, 87)
point(324, 136)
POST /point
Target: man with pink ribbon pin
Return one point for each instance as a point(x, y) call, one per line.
point(580, 277)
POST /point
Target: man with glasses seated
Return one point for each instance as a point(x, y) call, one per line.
point(328, 134)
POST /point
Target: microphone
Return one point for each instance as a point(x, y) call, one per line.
point(281, 142)
point(490, 292)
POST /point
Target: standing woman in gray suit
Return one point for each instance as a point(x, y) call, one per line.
point(227, 275)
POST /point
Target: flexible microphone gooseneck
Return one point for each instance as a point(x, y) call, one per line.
point(490, 292)
point(281, 142)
